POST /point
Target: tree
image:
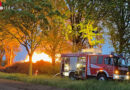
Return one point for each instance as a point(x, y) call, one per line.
point(55, 42)
point(11, 47)
point(29, 18)
point(118, 24)
point(8, 46)
point(2, 52)
point(92, 34)
point(80, 10)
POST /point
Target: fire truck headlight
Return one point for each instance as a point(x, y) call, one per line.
point(127, 77)
point(116, 76)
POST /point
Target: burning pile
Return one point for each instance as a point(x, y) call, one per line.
point(41, 62)
point(37, 57)
point(41, 56)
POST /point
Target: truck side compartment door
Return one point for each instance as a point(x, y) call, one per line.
point(73, 62)
point(93, 63)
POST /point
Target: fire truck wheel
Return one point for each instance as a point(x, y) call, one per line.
point(72, 76)
point(102, 77)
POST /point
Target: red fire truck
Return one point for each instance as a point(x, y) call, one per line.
point(85, 65)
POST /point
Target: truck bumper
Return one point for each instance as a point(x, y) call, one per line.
point(121, 77)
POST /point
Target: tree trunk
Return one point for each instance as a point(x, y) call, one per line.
point(2, 52)
point(53, 60)
point(7, 58)
point(11, 56)
point(53, 63)
point(0, 61)
point(30, 65)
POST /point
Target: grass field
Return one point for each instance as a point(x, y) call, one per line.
point(66, 83)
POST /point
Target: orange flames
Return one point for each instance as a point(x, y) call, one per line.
point(39, 56)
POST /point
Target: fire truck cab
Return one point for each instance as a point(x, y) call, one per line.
point(103, 67)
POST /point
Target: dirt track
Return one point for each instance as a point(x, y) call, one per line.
point(15, 85)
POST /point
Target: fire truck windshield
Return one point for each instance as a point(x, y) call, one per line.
point(119, 61)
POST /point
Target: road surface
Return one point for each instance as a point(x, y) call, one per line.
point(16, 85)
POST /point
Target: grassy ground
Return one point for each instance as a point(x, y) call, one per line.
point(66, 83)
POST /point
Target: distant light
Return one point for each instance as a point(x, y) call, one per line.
point(1, 8)
point(111, 56)
point(128, 73)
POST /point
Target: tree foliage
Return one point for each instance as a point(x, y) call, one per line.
point(118, 23)
point(80, 10)
point(29, 19)
point(8, 46)
point(55, 42)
